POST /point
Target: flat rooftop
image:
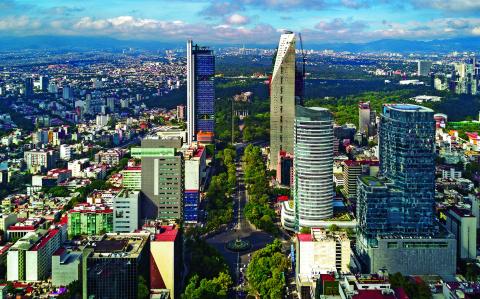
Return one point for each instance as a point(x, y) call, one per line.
point(118, 245)
point(408, 108)
point(371, 181)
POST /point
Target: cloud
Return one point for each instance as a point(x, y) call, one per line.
point(65, 10)
point(449, 5)
point(340, 25)
point(237, 19)
point(355, 4)
point(216, 9)
point(476, 30)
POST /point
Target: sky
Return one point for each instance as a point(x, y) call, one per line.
point(240, 22)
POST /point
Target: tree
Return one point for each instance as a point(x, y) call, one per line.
point(305, 230)
point(143, 290)
point(265, 273)
point(217, 287)
point(333, 228)
point(418, 290)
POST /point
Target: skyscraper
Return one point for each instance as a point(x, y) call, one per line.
point(313, 166)
point(44, 83)
point(364, 117)
point(395, 211)
point(67, 92)
point(282, 98)
point(200, 91)
point(162, 178)
point(28, 87)
point(423, 67)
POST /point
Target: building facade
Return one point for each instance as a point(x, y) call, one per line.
point(126, 207)
point(463, 224)
point(162, 183)
point(132, 178)
point(114, 264)
point(395, 211)
point(41, 160)
point(90, 219)
point(352, 170)
point(282, 98)
point(313, 166)
point(200, 91)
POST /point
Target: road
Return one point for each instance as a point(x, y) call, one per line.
point(240, 228)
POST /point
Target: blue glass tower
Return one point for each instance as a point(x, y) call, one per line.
point(397, 229)
point(401, 201)
point(200, 91)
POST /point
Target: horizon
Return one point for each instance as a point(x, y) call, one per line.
point(257, 22)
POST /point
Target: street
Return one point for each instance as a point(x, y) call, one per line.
point(240, 228)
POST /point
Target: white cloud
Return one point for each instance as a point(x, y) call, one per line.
point(237, 19)
point(476, 30)
point(449, 5)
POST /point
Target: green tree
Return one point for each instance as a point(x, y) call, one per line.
point(217, 287)
point(305, 230)
point(143, 290)
point(265, 273)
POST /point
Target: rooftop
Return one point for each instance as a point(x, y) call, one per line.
point(371, 181)
point(128, 245)
point(407, 108)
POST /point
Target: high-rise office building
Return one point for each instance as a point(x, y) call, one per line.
point(67, 92)
point(395, 211)
point(162, 179)
point(366, 119)
point(465, 78)
point(282, 98)
point(113, 264)
point(180, 112)
point(28, 87)
point(44, 82)
point(313, 166)
point(423, 67)
point(200, 91)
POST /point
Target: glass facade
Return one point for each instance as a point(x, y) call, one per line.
point(313, 166)
point(200, 90)
point(190, 211)
point(401, 201)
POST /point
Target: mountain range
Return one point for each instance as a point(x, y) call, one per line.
point(9, 43)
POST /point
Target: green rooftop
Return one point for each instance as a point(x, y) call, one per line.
point(371, 181)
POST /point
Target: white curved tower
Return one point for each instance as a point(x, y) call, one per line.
point(313, 166)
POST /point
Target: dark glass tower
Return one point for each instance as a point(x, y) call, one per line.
point(401, 200)
point(200, 91)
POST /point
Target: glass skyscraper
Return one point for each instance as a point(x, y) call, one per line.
point(401, 200)
point(397, 230)
point(313, 166)
point(200, 91)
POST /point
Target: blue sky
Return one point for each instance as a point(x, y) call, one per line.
point(243, 21)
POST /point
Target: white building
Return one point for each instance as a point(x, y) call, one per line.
point(102, 120)
point(65, 152)
point(77, 167)
point(30, 258)
point(320, 252)
point(463, 224)
point(313, 166)
point(126, 211)
point(451, 173)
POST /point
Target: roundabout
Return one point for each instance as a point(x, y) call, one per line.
point(238, 245)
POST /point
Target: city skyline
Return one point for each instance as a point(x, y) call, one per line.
point(246, 21)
